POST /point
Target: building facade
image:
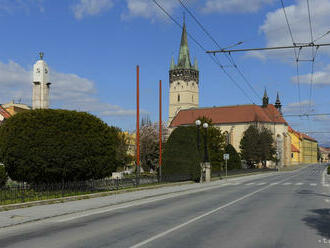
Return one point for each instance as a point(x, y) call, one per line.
point(41, 84)
point(184, 80)
point(235, 120)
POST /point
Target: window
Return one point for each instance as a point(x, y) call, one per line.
point(178, 97)
point(192, 98)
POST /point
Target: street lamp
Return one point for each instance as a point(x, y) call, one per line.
point(206, 156)
point(198, 124)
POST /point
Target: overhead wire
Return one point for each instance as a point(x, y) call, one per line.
point(229, 57)
point(295, 53)
point(214, 59)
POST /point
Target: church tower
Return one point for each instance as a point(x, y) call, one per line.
point(41, 84)
point(184, 80)
point(278, 104)
point(265, 99)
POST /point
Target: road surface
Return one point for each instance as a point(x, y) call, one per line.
point(290, 209)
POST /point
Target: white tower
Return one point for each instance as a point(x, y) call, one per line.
point(184, 81)
point(41, 84)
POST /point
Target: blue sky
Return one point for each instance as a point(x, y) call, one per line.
point(93, 46)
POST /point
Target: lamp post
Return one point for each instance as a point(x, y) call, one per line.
point(198, 124)
point(206, 155)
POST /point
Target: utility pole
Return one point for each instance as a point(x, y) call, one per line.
point(137, 126)
point(160, 130)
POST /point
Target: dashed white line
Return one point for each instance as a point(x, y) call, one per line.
point(274, 183)
point(286, 183)
point(249, 183)
point(162, 234)
point(313, 184)
point(261, 183)
point(299, 183)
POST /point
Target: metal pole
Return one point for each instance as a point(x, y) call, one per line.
point(206, 156)
point(226, 170)
point(137, 125)
point(160, 130)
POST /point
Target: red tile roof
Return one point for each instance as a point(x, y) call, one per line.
point(301, 135)
point(305, 136)
point(230, 114)
point(294, 149)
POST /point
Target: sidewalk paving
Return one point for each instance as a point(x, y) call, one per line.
point(35, 213)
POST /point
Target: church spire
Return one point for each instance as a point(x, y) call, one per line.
point(278, 104)
point(265, 99)
point(184, 57)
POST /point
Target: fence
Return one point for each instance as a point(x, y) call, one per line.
point(26, 192)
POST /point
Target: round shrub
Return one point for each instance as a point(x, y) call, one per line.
point(181, 156)
point(45, 146)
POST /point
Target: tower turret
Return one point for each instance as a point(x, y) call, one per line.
point(265, 99)
point(278, 104)
point(184, 80)
point(41, 84)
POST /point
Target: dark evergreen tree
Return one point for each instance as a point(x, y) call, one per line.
point(181, 156)
point(234, 161)
point(266, 149)
point(44, 146)
point(3, 176)
point(249, 145)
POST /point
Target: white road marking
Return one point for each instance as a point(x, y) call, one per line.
point(324, 174)
point(326, 200)
point(286, 183)
point(261, 183)
point(202, 216)
point(249, 183)
point(274, 183)
point(313, 184)
point(299, 183)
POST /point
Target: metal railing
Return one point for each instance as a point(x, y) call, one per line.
point(33, 192)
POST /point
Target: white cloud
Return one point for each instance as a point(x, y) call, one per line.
point(91, 7)
point(320, 78)
point(147, 9)
point(68, 91)
point(277, 34)
point(11, 6)
point(237, 6)
point(297, 107)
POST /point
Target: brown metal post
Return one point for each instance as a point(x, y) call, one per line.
point(137, 125)
point(160, 130)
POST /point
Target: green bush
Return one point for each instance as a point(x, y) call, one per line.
point(45, 146)
point(328, 170)
point(3, 176)
point(234, 161)
point(181, 156)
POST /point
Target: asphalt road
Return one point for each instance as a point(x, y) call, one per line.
point(280, 210)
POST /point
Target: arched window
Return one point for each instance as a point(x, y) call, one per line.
point(192, 98)
point(178, 97)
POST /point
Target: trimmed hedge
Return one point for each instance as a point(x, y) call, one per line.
point(3, 176)
point(181, 156)
point(47, 146)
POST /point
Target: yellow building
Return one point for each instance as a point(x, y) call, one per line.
point(309, 149)
point(303, 148)
point(13, 108)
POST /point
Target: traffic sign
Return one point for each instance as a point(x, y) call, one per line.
point(226, 156)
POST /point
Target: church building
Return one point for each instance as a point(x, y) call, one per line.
point(233, 120)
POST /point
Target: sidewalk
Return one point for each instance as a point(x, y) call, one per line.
point(35, 213)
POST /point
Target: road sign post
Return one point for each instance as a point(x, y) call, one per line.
point(226, 157)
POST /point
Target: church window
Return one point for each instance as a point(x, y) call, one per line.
point(192, 98)
point(178, 97)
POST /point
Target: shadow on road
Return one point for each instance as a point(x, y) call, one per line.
point(310, 192)
point(319, 220)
